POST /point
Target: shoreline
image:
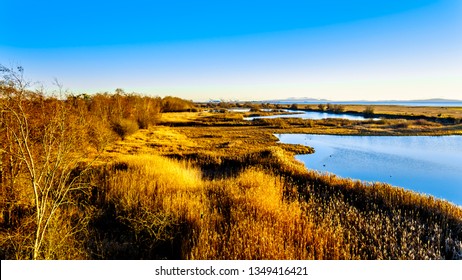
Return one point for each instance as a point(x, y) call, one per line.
point(421, 188)
point(201, 185)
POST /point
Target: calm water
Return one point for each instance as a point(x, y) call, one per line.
point(426, 164)
point(310, 115)
point(400, 103)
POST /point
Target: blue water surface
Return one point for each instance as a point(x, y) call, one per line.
point(310, 115)
point(426, 164)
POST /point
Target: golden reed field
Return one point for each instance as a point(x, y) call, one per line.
point(125, 176)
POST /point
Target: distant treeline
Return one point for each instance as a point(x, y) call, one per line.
point(103, 115)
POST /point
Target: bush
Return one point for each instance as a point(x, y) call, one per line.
point(335, 108)
point(402, 124)
point(124, 127)
point(255, 108)
point(100, 134)
point(175, 104)
point(368, 111)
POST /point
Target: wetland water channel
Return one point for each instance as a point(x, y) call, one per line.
point(309, 115)
point(425, 164)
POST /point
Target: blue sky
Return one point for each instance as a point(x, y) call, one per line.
point(246, 50)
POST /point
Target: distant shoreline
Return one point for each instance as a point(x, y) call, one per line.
point(391, 103)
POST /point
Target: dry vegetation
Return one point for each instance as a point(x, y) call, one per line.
point(440, 114)
point(113, 176)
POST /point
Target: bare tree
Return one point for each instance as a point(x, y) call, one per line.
point(40, 142)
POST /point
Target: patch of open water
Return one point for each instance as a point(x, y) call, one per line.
point(426, 164)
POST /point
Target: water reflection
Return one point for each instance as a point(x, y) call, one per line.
point(427, 164)
point(310, 115)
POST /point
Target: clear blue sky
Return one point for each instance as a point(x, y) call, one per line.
point(247, 50)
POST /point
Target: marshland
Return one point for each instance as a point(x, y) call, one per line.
point(126, 176)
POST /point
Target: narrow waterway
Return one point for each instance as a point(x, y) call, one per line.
point(310, 115)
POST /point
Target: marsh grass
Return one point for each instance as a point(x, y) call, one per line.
point(250, 219)
point(211, 189)
point(148, 202)
point(259, 205)
point(270, 207)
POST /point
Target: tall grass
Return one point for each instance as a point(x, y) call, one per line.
point(250, 219)
point(234, 199)
point(270, 208)
point(147, 204)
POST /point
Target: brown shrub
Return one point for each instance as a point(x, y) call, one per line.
point(124, 127)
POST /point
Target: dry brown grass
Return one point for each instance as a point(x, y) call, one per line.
point(272, 208)
point(249, 218)
point(147, 206)
point(441, 112)
point(203, 188)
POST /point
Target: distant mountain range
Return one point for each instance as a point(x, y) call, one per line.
point(317, 101)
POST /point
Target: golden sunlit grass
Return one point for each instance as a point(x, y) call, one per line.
point(430, 111)
point(148, 206)
point(182, 117)
point(250, 219)
point(154, 199)
point(157, 180)
point(209, 185)
point(273, 208)
point(260, 215)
